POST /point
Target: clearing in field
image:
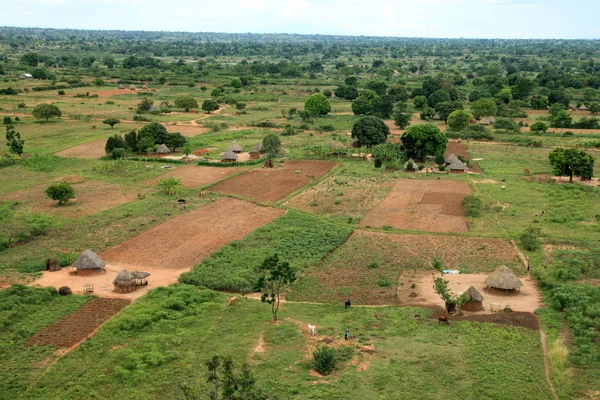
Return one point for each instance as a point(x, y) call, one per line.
point(77, 326)
point(91, 197)
point(368, 266)
point(340, 195)
point(273, 184)
point(187, 131)
point(193, 176)
point(187, 239)
point(93, 149)
point(422, 205)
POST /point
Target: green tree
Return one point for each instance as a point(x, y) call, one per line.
point(274, 278)
point(99, 82)
point(31, 59)
point(317, 104)
point(131, 138)
point(523, 88)
point(572, 162)
point(324, 360)
point(555, 109)
point(236, 83)
point(170, 186)
point(62, 192)
point(187, 148)
point(446, 108)
point(439, 96)
point(559, 96)
point(388, 153)
point(402, 115)
point(111, 121)
point(271, 144)
point(505, 95)
point(459, 120)
point(145, 104)
point(539, 102)
point(156, 131)
point(484, 108)
point(594, 108)
point(175, 140)
point(420, 102)
point(421, 140)
point(13, 140)
point(186, 102)
point(46, 111)
point(114, 142)
point(370, 131)
point(538, 126)
point(210, 106)
point(361, 105)
point(561, 120)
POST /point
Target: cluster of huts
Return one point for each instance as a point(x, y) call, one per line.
point(502, 279)
point(126, 281)
point(231, 155)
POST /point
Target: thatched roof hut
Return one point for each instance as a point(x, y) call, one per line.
point(583, 107)
point(436, 117)
point(229, 156)
point(164, 104)
point(163, 149)
point(124, 282)
point(255, 152)
point(449, 159)
point(152, 109)
point(89, 261)
point(473, 300)
point(132, 87)
point(484, 121)
point(410, 165)
point(145, 87)
point(121, 87)
point(235, 147)
point(503, 278)
point(492, 120)
point(141, 278)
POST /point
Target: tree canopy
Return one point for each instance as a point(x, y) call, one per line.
point(317, 104)
point(421, 140)
point(370, 131)
point(572, 162)
point(46, 111)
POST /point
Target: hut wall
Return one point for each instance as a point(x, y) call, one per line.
point(124, 287)
point(227, 160)
point(254, 156)
point(457, 171)
point(472, 306)
point(85, 272)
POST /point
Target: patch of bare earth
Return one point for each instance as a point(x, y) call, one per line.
point(79, 325)
point(114, 92)
point(424, 205)
point(272, 184)
point(343, 196)
point(187, 131)
point(460, 149)
point(193, 176)
point(91, 197)
point(370, 266)
point(187, 239)
point(544, 178)
point(93, 149)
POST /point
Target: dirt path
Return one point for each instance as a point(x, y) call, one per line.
point(521, 255)
point(544, 341)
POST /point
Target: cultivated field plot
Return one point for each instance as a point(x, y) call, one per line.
point(93, 149)
point(91, 197)
point(422, 205)
point(75, 327)
point(193, 176)
point(367, 267)
point(187, 239)
point(341, 195)
point(274, 183)
point(187, 131)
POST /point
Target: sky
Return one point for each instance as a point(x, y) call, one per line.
point(512, 19)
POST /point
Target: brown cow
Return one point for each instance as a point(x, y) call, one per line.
point(443, 319)
point(232, 300)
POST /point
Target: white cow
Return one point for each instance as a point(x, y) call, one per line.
point(312, 329)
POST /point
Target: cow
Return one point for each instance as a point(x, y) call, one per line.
point(444, 320)
point(232, 300)
point(312, 329)
point(348, 303)
point(181, 201)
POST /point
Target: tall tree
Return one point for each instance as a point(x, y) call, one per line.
point(421, 140)
point(46, 111)
point(572, 162)
point(274, 278)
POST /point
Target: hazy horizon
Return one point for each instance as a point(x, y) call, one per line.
point(468, 19)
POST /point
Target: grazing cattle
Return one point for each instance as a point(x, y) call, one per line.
point(201, 194)
point(348, 303)
point(232, 300)
point(312, 329)
point(181, 201)
point(444, 320)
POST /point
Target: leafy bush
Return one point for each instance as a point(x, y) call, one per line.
point(117, 153)
point(170, 185)
point(530, 238)
point(324, 360)
point(65, 291)
point(62, 192)
point(472, 205)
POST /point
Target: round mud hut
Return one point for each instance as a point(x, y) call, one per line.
point(410, 165)
point(141, 278)
point(229, 156)
point(124, 282)
point(163, 149)
point(457, 167)
point(503, 278)
point(235, 147)
point(255, 152)
point(132, 87)
point(473, 300)
point(88, 263)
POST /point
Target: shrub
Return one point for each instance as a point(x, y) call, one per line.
point(62, 192)
point(472, 205)
point(324, 360)
point(317, 104)
point(114, 142)
point(170, 185)
point(117, 153)
point(61, 92)
point(530, 238)
point(65, 291)
point(271, 144)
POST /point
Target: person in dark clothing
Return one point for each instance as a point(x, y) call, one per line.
point(347, 334)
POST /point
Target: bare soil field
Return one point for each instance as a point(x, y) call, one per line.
point(187, 131)
point(461, 149)
point(193, 176)
point(93, 149)
point(343, 196)
point(523, 319)
point(425, 205)
point(113, 92)
point(370, 266)
point(187, 239)
point(272, 184)
point(544, 178)
point(92, 197)
point(77, 326)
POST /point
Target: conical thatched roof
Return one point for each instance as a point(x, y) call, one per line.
point(492, 120)
point(257, 149)
point(121, 87)
point(229, 155)
point(410, 164)
point(583, 107)
point(473, 294)
point(484, 121)
point(89, 260)
point(450, 158)
point(132, 86)
point(503, 278)
point(457, 165)
point(123, 276)
point(235, 147)
point(140, 274)
point(153, 109)
point(163, 149)
point(436, 117)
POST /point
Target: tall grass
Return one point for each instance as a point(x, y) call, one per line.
point(560, 372)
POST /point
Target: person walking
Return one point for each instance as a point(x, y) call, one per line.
point(347, 334)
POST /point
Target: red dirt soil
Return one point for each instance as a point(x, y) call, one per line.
point(187, 239)
point(424, 205)
point(273, 184)
point(75, 327)
point(92, 197)
point(187, 131)
point(193, 176)
point(93, 149)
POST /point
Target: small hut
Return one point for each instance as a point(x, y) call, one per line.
point(124, 282)
point(229, 156)
point(163, 149)
point(492, 120)
point(337, 149)
point(255, 152)
point(52, 265)
point(473, 300)
point(26, 77)
point(132, 87)
point(583, 108)
point(88, 263)
point(145, 87)
point(503, 278)
point(121, 87)
point(141, 278)
point(235, 147)
point(410, 165)
point(436, 117)
point(457, 167)
point(164, 105)
point(450, 159)
point(153, 109)
point(484, 121)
